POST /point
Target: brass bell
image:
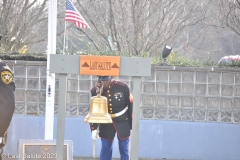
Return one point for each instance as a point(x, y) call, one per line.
point(98, 111)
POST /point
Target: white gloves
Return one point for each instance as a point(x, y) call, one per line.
point(95, 135)
point(98, 90)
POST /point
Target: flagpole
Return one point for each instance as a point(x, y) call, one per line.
point(64, 38)
point(50, 84)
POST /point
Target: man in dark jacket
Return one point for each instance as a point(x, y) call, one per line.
point(7, 101)
point(120, 103)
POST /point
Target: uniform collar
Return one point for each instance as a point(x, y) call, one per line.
point(111, 85)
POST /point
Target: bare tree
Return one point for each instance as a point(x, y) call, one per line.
point(21, 22)
point(221, 36)
point(24, 23)
point(229, 14)
point(129, 27)
point(136, 27)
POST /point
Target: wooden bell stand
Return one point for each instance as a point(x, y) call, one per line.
point(72, 64)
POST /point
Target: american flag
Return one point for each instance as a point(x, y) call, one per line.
point(73, 15)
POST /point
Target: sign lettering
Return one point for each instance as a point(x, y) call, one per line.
point(95, 65)
point(100, 65)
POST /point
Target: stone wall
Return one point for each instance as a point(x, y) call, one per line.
point(170, 93)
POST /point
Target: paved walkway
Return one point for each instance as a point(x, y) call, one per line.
point(90, 158)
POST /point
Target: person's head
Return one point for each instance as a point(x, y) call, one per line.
point(106, 80)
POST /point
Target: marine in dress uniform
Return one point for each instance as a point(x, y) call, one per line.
point(7, 101)
point(120, 107)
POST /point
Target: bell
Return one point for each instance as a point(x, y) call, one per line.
point(98, 111)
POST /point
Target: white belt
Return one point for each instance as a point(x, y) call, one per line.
point(119, 113)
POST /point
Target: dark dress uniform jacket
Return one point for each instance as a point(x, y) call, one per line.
point(119, 97)
point(7, 97)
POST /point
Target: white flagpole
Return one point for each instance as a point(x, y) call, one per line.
point(64, 38)
point(50, 85)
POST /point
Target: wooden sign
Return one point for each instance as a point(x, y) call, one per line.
point(100, 65)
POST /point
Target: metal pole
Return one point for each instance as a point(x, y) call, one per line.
point(64, 38)
point(61, 115)
point(136, 118)
point(50, 85)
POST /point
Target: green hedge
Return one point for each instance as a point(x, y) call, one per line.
point(36, 57)
point(172, 60)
